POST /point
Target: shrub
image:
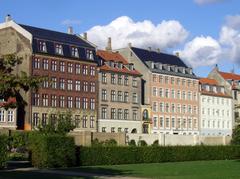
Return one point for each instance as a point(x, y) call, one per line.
point(132, 143)
point(3, 150)
point(111, 142)
point(155, 143)
point(18, 140)
point(52, 150)
point(142, 143)
point(236, 136)
point(155, 154)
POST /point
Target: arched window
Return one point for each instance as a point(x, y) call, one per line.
point(145, 114)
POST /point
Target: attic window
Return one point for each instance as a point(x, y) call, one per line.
point(74, 52)
point(42, 46)
point(120, 65)
point(131, 67)
point(89, 54)
point(59, 49)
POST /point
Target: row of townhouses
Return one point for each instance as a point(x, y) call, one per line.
point(129, 90)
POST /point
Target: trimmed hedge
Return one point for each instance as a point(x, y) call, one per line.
point(153, 154)
point(3, 150)
point(48, 151)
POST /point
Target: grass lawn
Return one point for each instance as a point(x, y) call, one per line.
point(177, 170)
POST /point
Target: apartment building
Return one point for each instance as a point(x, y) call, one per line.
point(69, 62)
point(231, 83)
point(216, 117)
point(171, 89)
point(119, 94)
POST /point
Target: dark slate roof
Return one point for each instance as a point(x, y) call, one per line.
point(67, 40)
point(146, 55)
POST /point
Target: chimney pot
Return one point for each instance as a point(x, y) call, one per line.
point(109, 44)
point(130, 44)
point(70, 30)
point(8, 18)
point(85, 35)
point(177, 54)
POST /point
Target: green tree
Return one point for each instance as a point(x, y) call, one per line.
point(12, 84)
point(236, 136)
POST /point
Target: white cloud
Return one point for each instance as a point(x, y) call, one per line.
point(233, 21)
point(201, 51)
point(71, 22)
point(204, 2)
point(123, 30)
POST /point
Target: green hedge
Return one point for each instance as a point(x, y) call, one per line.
point(153, 154)
point(48, 151)
point(3, 150)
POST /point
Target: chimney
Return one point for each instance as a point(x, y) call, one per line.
point(158, 50)
point(109, 44)
point(8, 18)
point(70, 30)
point(216, 67)
point(177, 54)
point(149, 48)
point(130, 45)
point(85, 35)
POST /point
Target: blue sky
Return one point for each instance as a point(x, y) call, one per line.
point(198, 20)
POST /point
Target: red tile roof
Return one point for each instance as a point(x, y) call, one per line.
point(211, 93)
point(231, 76)
point(111, 56)
point(10, 101)
point(116, 57)
point(208, 81)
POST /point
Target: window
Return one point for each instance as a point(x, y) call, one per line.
point(160, 79)
point(92, 104)
point(113, 95)
point(92, 87)
point(54, 65)
point(36, 63)
point(126, 114)
point(120, 79)
point(173, 122)
point(85, 103)
point(84, 121)
point(126, 80)
point(62, 101)
point(173, 93)
point(161, 122)
point(166, 80)
point(35, 121)
point(134, 82)
point(104, 78)
point(104, 95)
point(77, 85)
point(113, 79)
point(91, 121)
point(69, 102)
point(103, 129)
point(167, 93)
point(183, 95)
point(190, 123)
point(172, 80)
point(74, 52)
point(85, 86)
point(85, 70)
point(120, 114)
point(113, 113)
point(78, 69)
point(189, 95)
point(179, 108)
point(92, 70)
point(42, 46)
point(167, 123)
point(161, 107)
point(178, 81)
point(126, 130)
point(173, 108)
point(2, 116)
point(45, 64)
point(155, 122)
point(119, 129)
point(53, 100)
point(126, 97)
point(135, 98)
point(183, 82)
point(70, 67)
point(112, 129)
point(179, 125)
point(54, 82)
point(154, 91)
point(167, 107)
point(90, 54)
point(62, 84)
point(69, 85)
point(184, 109)
point(135, 115)
point(77, 102)
point(160, 92)
point(178, 94)
point(120, 96)
point(154, 78)
point(44, 119)
point(190, 109)
point(45, 99)
point(45, 83)
point(184, 123)
point(62, 66)
point(59, 49)
point(104, 113)
point(36, 99)
point(154, 107)
point(10, 116)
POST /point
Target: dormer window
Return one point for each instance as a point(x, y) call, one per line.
point(131, 67)
point(74, 52)
point(183, 70)
point(120, 65)
point(190, 71)
point(222, 90)
point(168, 68)
point(42, 46)
point(59, 49)
point(153, 65)
point(90, 54)
point(176, 69)
point(160, 66)
point(214, 89)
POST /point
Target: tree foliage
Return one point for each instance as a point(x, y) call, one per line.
point(236, 136)
point(12, 84)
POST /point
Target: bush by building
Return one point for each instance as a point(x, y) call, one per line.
point(3, 150)
point(51, 150)
point(152, 154)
